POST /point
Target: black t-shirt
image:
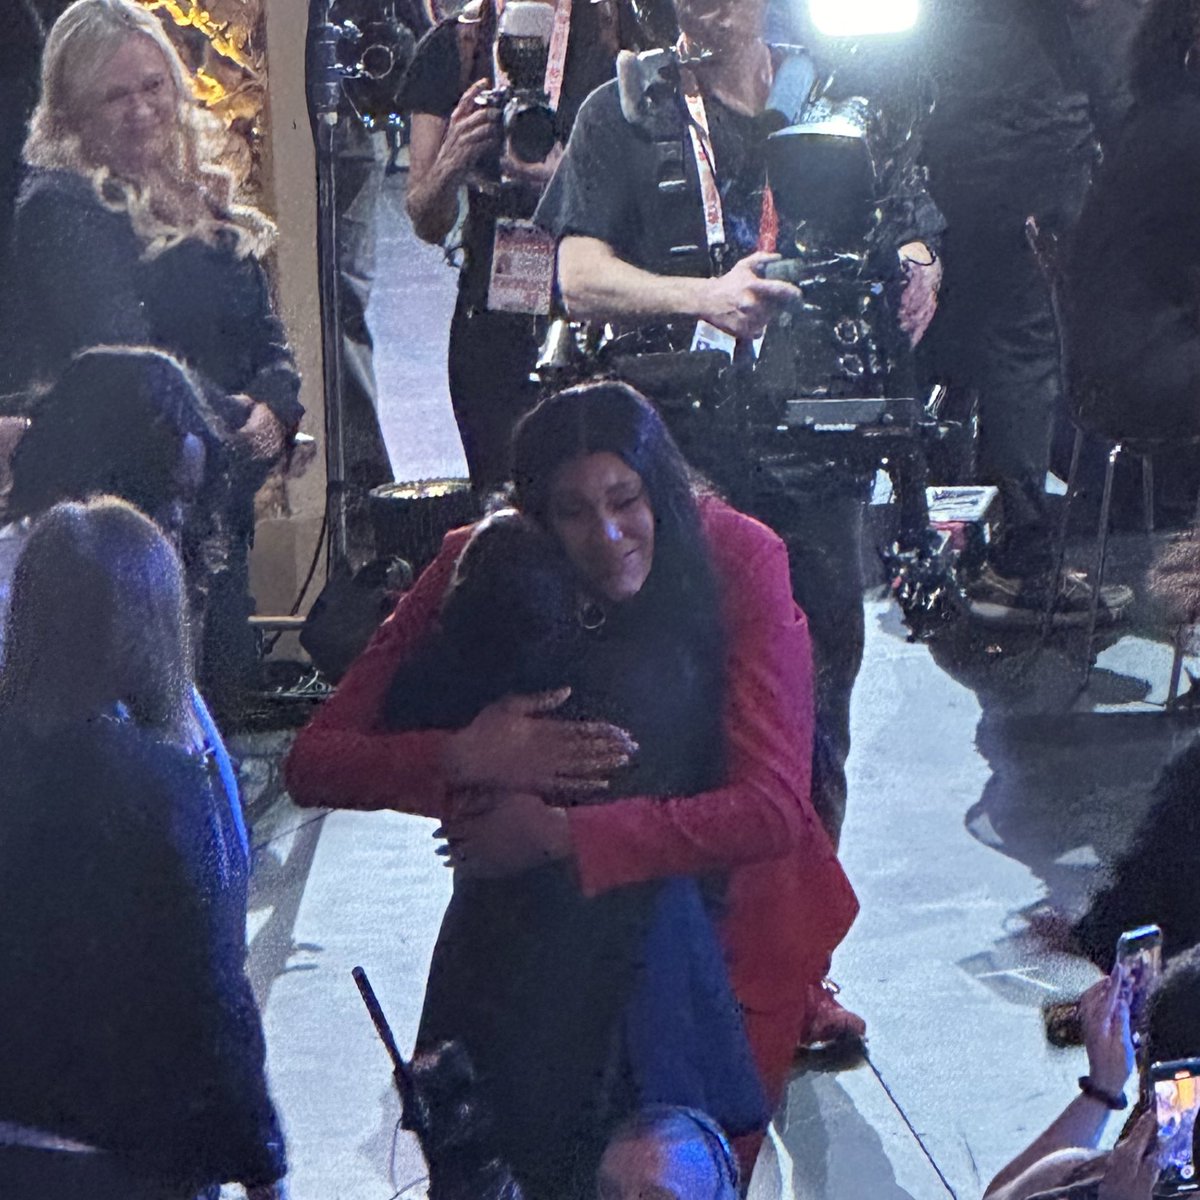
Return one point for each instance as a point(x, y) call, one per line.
point(1012, 116)
point(606, 187)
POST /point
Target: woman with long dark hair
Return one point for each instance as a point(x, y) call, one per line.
point(131, 1042)
point(696, 600)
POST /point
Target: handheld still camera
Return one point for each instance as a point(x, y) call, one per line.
point(522, 55)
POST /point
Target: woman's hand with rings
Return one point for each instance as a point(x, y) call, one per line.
point(512, 746)
point(1132, 1170)
point(1104, 1014)
point(473, 130)
point(513, 833)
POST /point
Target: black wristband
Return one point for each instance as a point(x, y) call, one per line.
point(1089, 1089)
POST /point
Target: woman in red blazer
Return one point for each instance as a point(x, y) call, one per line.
point(788, 903)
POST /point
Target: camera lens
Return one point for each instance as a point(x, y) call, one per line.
point(531, 133)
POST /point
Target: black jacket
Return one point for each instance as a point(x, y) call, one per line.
point(81, 281)
point(127, 1018)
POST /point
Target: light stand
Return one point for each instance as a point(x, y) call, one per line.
point(325, 93)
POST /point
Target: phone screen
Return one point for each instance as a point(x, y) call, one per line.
point(1176, 1103)
point(1139, 951)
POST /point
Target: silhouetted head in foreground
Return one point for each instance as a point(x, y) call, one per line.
point(668, 1153)
point(98, 621)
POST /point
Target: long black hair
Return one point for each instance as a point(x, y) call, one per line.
point(1164, 62)
point(1173, 1014)
point(612, 417)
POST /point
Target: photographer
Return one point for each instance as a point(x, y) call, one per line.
point(616, 262)
point(458, 139)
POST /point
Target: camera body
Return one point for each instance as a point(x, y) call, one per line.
point(527, 119)
point(522, 53)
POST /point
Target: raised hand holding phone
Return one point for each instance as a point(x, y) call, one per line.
point(1139, 955)
point(1104, 1012)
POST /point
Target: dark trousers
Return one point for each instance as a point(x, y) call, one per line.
point(823, 532)
point(995, 334)
point(491, 357)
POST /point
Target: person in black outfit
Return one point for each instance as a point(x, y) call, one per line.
point(618, 262)
point(132, 1046)
point(128, 233)
point(133, 423)
point(1152, 882)
point(455, 142)
point(1134, 269)
point(1011, 136)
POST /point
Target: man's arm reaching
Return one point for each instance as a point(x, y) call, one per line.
point(598, 285)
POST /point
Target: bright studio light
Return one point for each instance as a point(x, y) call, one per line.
point(855, 18)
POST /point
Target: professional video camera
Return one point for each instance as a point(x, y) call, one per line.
point(837, 341)
point(522, 53)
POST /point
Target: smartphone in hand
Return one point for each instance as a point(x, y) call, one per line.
point(1175, 1093)
point(1139, 955)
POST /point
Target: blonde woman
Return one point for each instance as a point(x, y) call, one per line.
point(130, 232)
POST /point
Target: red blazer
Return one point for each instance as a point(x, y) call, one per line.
point(789, 902)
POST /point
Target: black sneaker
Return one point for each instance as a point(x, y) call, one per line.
point(996, 599)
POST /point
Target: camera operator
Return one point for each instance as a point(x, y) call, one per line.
point(458, 139)
point(616, 263)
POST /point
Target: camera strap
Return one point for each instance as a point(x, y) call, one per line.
point(557, 60)
point(706, 163)
point(706, 168)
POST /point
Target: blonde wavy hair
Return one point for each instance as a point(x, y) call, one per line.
point(162, 208)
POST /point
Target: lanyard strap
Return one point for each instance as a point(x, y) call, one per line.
point(706, 168)
point(499, 74)
point(557, 59)
point(706, 160)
